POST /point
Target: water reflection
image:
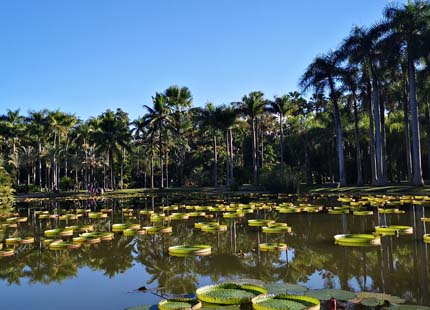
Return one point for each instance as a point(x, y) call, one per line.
point(400, 266)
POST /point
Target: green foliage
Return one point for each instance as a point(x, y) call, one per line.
point(66, 183)
point(287, 182)
point(6, 191)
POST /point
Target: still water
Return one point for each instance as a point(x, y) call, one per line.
point(104, 275)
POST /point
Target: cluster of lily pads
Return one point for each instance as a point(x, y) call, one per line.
point(272, 296)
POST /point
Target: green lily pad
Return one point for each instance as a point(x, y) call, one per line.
point(371, 302)
point(327, 294)
point(381, 297)
point(282, 288)
point(408, 307)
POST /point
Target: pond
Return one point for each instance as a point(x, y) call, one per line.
point(105, 275)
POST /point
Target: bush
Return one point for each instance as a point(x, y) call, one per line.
point(24, 189)
point(288, 182)
point(66, 183)
point(6, 191)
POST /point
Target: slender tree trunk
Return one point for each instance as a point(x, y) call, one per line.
point(215, 167)
point(428, 136)
point(122, 167)
point(384, 140)
point(112, 170)
point(281, 142)
point(161, 159)
point(378, 140)
point(416, 146)
point(227, 159)
point(407, 140)
point(371, 134)
point(39, 162)
point(339, 136)
point(254, 152)
point(152, 166)
point(357, 145)
point(231, 157)
point(262, 144)
point(167, 168)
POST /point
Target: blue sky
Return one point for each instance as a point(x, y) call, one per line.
point(84, 56)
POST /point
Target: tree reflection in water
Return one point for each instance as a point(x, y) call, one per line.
point(400, 266)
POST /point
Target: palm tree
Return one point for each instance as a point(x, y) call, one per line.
point(159, 118)
point(407, 24)
point(251, 106)
point(362, 48)
point(39, 129)
point(323, 73)
point(281, 106)
point(208, 117)
point(111, 137)
point(351, 83)
point(178, 99)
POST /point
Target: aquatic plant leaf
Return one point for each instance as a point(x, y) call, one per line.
point(326, 294)
point(407, 307)
point(282, 288)
point(380, 296)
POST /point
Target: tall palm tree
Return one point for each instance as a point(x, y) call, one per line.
point(251, 106)
point(351, 82)
point(323, 73)
point(281, 106)
point(362, 48)
point(179, 99)
point(159, 118)
point(407, 24)
point(39, 129)
point(111, 137)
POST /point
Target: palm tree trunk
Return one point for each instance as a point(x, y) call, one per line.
point(122, 167)
point(357, 146)
point(254, 152)
point(227, 159)
point(378, 140)
point(371, 136)
point(262, 145)
point(167, 168)
point(281, 142)
point(339, 136)
point(384, 140)
point(152, 166)
point(161, 158)
point(416, 146)
point(231, 157)
point(215, 167)
point(428, 135)
point(407, 140)
point(39, 162)
point(112, 170)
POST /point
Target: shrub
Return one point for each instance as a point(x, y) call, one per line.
point(24, 188)
point(288, 182)
point(66, 183)
point(6, 191)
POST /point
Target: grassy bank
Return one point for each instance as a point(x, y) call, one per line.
point(397, 189)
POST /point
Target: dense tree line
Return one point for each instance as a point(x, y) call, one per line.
point(363, 117)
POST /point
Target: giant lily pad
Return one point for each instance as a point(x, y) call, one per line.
point(179, 303)
point(292, 302)
point(283, 288)
point(229, 293)
point(327, 294)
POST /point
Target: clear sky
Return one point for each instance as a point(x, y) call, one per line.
point(85, 56)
